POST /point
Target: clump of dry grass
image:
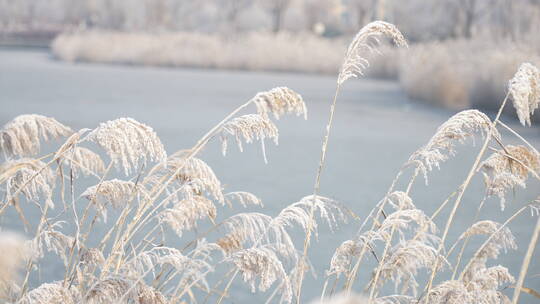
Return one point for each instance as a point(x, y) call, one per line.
point(14, 253)
point(296, 52)
point(458, 74)
point(133, 262)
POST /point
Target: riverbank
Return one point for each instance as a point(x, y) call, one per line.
point(452, 74)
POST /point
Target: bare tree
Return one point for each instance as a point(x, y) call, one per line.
point(468, 12)
point(277, 10)
point(232, 9)
point(321, 11)
point(360, 11)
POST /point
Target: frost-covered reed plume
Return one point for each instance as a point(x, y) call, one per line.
point(85, 161)
point(184, 214)
point(365, 42)
point(262, 265)
point(31, 177)
point(249, 127)
point(116, 193)
point(52, 293)
point(279, 101)
point(506, 169)
point(524, 88)
point(457, 129)
point(21, 136)
point(128, 143)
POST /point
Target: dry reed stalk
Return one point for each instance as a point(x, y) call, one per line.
point(353, 66)
point(526, 262)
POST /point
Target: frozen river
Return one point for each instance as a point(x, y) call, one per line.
point(376, 129)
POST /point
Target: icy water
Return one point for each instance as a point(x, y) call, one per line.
point(376, 129)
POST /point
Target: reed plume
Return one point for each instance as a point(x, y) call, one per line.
point(404, 261)
point(21, 136)
point(51, 293)
point(128, 143)
point(31, 177)
point(365, 41)
point(116, 193)
point(231, 242)
point(183, 215)
point(262, 264)
point(191, 268)
point(92, 257)
point(457, 129)
point(111, 290)
point(85, 161)
point(50, 238)
point(342, 258)
point(196, 176)
point(279, 101)
point(243, 198)
point(524, 89)
point(505, 169)
point(453, 291)
point(249, 127)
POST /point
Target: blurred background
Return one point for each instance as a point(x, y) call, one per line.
point(462, 51)
point(180, 66)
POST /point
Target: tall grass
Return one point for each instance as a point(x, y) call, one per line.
point(297, 52)
point(155, 191)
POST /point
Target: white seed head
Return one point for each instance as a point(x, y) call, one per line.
point(196, 176)
point(366, 41)
point(21, 136)
point(51, 293)
point(404, 261)
point(128, 143)
point(279, 101)
point(263, 265)
point(524, 89)
point(244, 198)
point(501, 240)
point(83, 160)
point(184, 214)
point(249, 128)
point(114, 192)
point(457, 129)
point(31, 177)
point(508, 168)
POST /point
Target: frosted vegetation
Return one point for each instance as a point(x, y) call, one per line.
point(159, 190)
point(462, 51)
